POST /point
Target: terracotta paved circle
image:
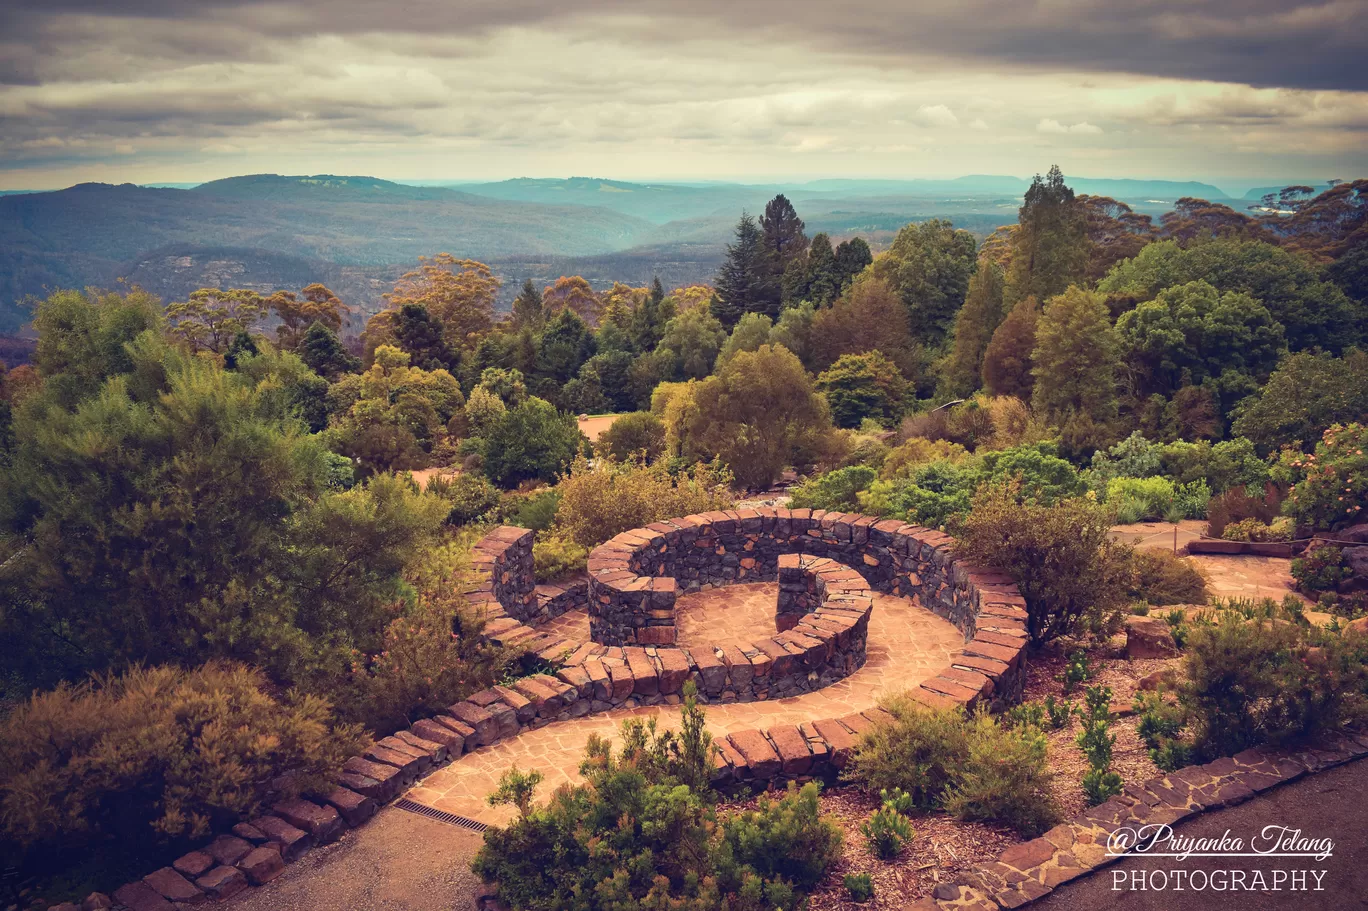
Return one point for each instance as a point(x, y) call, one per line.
point(907, 644)
point(737, 613)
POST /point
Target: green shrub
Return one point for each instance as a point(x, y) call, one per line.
point(1320, 569)
point(1069, 570)
point(1026, 714)
point(605, 498)
point(1334, 491)
point(886, 832)
point(471, 496)
point(1060, 711)
point(1264, 681)
point(536, 511)
point(921, 752)
point(836, 490)
point(1158, 720)
point(1076, 670)
point(1094, 739)
point(516, 787)
point(1006, 778)
point(785, 840)
point(1280, 529)
point(1099, 785)
point(860, 886)
point(1171, 755)
point(418, 666)
point(640, 432)
point(1147, 499)
point(159, 753)
point(533, 441)
point(555, 557)
point(974, 767)
point(1160, 577)
point(939, 492)
point(643, 832)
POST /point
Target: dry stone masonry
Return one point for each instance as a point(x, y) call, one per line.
point(828, 565)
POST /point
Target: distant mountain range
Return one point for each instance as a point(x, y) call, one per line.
point(356, 234)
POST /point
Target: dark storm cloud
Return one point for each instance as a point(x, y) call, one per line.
point(1264, 43)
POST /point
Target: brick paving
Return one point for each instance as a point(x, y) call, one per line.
point(907, 645)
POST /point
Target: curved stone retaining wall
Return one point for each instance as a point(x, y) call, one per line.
point(590, 677)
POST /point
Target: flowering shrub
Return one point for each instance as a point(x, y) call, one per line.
point(1334, 491)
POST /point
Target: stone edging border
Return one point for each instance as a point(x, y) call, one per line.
point(592, 678)
point(1031, 870)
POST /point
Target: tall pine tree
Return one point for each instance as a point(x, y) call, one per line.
point(745, 283)
point(1050, 247)
point(527, 307)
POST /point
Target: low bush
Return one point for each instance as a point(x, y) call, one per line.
point(1280, 529)
point(902, 460)
point(886, 832)
point(431, 653)
point(973, 766)
point(860, 886)
point(471, 495)
point(836, 490)
point(1149, 499)
point(1160, 577)
point(638, 834)
point(920, 753)
point(159, 753)
point(1251, 682)
point(1006, 778)
point(555, 557)
point(605, 498)
point(535, 511)
point(1237, 504)
point(941, 492)
point(1320, 569)
point(1069, 570)
point(640, 432)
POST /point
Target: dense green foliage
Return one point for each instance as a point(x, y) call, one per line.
point(643, 831)
point(976, 767)
point(158, 753)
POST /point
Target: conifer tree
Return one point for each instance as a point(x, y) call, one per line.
point(419, 334)
point(322, 350)
point(852, 257)
point(745, 283)
point(527, 307)
point(822, 279)
point(785, 241)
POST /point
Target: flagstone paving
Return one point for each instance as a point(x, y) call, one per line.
point(907, 644)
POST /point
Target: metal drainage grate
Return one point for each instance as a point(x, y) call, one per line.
point(439, 815)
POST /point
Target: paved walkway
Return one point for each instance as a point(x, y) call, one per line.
point(1241, 576)
point(907, 644)
point(1326, 805)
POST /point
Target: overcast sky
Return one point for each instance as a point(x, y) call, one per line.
point(189, 90)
